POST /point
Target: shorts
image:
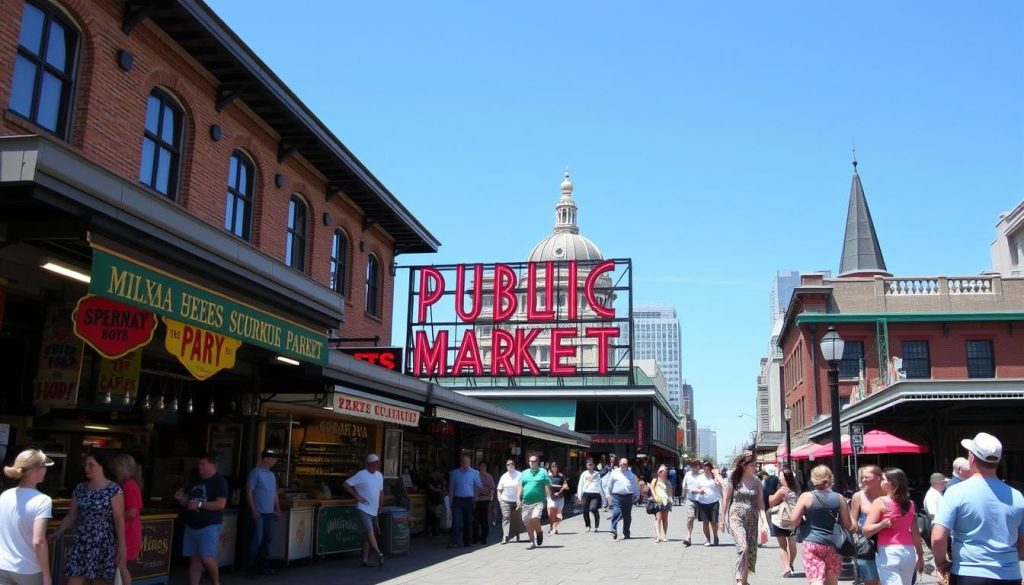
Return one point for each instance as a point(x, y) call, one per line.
point(532, 511)
point(556, 503)
point(867, 569)
point(691, 508)
point(200, 542)
point(780, 532)
point(367, 522)
point(821, 561)
point(11, 578)
point(707, 512)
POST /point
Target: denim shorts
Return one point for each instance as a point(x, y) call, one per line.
point(201, 542)
point(867, 570)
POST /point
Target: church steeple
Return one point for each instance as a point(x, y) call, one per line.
point(565, 211)
point(862, 255)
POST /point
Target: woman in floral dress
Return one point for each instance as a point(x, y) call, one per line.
point(97, 513)
point(743, 505)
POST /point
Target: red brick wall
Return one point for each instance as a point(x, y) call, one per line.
point(107, 126)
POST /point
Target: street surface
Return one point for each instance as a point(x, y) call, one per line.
point(573, 556)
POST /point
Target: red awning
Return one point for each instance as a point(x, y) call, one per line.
point(804, 451)
point(876, 442)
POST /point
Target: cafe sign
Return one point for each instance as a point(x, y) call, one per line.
point(365, 408)
point(113, 329)
point(132, 283)
point(202, 352)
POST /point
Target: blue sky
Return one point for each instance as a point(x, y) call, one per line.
point(708, 142)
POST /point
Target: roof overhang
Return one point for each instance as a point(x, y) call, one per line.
point(242, 75)
point(908, 317)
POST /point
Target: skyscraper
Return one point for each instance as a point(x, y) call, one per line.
point(707, 442)
point(687, 416)
point(656, 335)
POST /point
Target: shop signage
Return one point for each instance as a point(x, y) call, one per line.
point(113, 329)
point(641, 432)
point(496, 319)
point(598, 440)
point(119, 278)
point(155, 553)
point(119, 377)
point(341, 429)
point(338, 529)
point(60, 362)
point(385, 357)
point(202, 352)
point(365, 408)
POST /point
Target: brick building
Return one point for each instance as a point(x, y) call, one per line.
point(930, 359)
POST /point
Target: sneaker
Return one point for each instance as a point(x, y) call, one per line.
point(686, 542)
point(540, 538)
point(707, 543)
point(588, 529)
point(506, 540)
point(532, 546)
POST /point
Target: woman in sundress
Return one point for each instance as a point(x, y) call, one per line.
point(97, 513)
point(742, 507)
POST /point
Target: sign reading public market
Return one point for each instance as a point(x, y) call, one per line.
point(519, 319)
point(127, 281)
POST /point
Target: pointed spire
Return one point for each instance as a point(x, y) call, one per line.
point(862, 255)
point(565, 211)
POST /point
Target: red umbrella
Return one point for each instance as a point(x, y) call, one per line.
point(804, 451)
point(876, 442)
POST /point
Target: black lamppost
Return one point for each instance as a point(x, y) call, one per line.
point(788, 414)
point(832, 350)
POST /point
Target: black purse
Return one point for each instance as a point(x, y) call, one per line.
point(864, 547)
point(652, 508)
point(842, 540)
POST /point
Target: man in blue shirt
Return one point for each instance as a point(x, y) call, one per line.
point(261, 495)
point(986, 519)
point(464, 484)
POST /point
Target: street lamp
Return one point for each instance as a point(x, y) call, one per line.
point(832, 350)
point(788, 414)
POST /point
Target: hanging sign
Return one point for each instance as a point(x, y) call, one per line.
point(119, 377)
point(60, 362)
point(641, 432)
point(385, 357)
point(113, 329)
point(128, 281)
point(202, 352)
point(364, 408)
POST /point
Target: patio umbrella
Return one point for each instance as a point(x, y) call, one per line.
point(876, 442)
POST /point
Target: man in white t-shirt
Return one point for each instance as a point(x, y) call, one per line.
point(367, 487)
point(691, 490)
point(511, 519)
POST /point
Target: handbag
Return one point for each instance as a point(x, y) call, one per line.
point(864, 546)
point(782, 515)
point(842, 540)
point(653, 508)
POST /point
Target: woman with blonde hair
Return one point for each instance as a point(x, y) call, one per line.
point(126, 471)
point(24, 511)
point(816, 513)
point(660, 492)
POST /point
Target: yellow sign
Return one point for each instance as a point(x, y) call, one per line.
point(202, 352)
point(120, 377)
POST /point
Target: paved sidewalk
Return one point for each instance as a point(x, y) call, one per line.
point(573, 556)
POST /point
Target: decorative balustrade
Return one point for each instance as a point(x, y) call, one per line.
point(938, 285)
point(911, 286)
point(970, 286)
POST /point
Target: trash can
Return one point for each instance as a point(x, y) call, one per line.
point(394, 531)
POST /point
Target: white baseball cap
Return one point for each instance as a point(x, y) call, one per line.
point(985, 447)
point(372, 458)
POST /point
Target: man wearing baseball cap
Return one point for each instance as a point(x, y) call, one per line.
point(367, 487)
point(986, 519)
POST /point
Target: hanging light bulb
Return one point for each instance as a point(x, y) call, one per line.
point(107, 399)
point(147, 404)
point(174, 404)
point(189, 407)
point(213, 409)
point(128, 399)
point(160, 403)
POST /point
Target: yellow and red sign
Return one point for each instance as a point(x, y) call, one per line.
point(120, 377)
point(202, 352)
point(113, 329)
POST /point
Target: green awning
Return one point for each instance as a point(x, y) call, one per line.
point(560, 413)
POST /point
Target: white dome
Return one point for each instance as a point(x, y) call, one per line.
point(564, 246)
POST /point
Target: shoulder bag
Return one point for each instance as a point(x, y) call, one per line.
point(842, 540)
point(782, 514)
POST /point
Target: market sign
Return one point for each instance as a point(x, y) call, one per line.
point(60, 362)
point(641, 432)
point(125, 280)
point(119, 378)
point(338, 529)
point(202, 352)
point(113, 329)
point(386, 357)
point(365, 408)
point(154, 558)
point(518, 319)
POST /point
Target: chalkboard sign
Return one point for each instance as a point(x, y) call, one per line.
point(338, 529)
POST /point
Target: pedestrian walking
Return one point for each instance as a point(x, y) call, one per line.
point(24, 512)
point(204, 499)
point(464, 484)
point(588, 494)
point(97, 515)
point(781, 505)
point(743, 505)
point(531, 494)
point(126, 473)
point(691, 490)
point(660, 492)
point(482, 504)
point(556, 502)
point(817, 512)
point(623, 490)
point(435, 502)
point(932, 501)
point(893, 518)
point(264, 508)
point(860, 504)
point(710, 487)
point(367, 488)
point(961, 471)
point(511, 518)
point(986, 519)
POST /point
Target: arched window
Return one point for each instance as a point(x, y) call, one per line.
point(373, 286)
point(238, 208)
point(339, 262)
point(44, 68)
point(295, 239)
point(161, 144)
